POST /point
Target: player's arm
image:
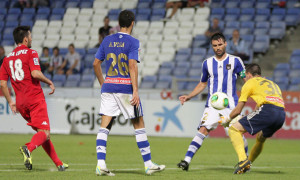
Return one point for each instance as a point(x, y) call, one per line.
point(63, 65)
point(98, 70)
point(237, 110)
point(37, 74)
point(197, 90)
point(133, 71)
point(5, 91)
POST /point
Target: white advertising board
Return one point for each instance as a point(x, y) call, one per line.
point(80, 115)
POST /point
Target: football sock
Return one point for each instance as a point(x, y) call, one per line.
point(194, 146)
point(237, 142)
point(256, 149)
point(101, 146)
point(144, 146)
point(49, 149)
point(38, 139)
point(245, 145)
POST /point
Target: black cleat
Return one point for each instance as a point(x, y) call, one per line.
point(242, 167)
point(27, 158)
point(183, 165)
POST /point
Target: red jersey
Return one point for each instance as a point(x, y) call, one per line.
point(18, 66)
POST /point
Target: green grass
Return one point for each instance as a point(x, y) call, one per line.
point(280, 159)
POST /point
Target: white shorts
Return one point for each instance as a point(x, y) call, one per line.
point(211, 117)
point(113, 104)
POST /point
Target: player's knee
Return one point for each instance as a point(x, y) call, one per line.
point(260, 138)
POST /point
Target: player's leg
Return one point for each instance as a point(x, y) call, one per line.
point(236, 132)
point(244, 139)
point(258, 146)
point(193, 148)
point(144, 146)
point(108, 109)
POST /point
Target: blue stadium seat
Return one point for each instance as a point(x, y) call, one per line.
point(228, 31)
point(72, 80)
point(7, 42)
point(262, 28)
point(282, 66)
point(283, 86)
point(158, 5)
point(232, 14)
point(3, 4)
point(168, 64)
point(59, 80)
point(217, 3)
point(280, 73)
point(27, 17)
point(199, 40)
point(295, 59)
point(147, 85)
point(11, 24)
point(164, 82)
point(233, 24)
point(58, 4)
point(262, 14)
point(41, 17)
point(194, 72)
point(87, 80)
point(291, 3)
point(71, 4)
point(249, 38)
point(294, 73)
point(3, 11)
point(199, 51)
point(197, 57)
point(26, 23)
point(183, 64)
point(261, 43)
point(149, 78)
point(184, 51)
point(196, 64)
point(232, 4)
point(247, 14)
point(180, 71)
point(247, 4)
point(142, 5)
point(86, 5)
point(296, 52)
point(55, 17)
point(293, 87)
point(191, 85)
point(295, 66)
point(165, 71)
point(43, 10)
point(14, 11)
point(28, 11)
point(12, 17)
point(217, 13)
point(89, 71)
point(282, 80)
point(277, 30)
point(60, 11)
point(278, 14)
point(295, 80)
point(263, 4)
point(292, 17)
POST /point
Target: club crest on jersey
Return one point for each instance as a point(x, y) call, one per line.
point(36, 61)
point(120, 36)
point(228, 66)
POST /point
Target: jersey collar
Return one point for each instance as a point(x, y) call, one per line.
point(222, 59)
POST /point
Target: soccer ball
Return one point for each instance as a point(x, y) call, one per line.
point(219, 100)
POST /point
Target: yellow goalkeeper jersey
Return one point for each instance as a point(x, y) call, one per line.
point(262, 91)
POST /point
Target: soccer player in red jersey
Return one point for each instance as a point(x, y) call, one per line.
point(23, 68)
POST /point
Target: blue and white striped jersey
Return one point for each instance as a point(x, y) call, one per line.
point(221, 77)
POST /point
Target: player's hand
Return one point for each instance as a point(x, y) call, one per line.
point(183, 99)
point(224, 120)
point(52, 88)
point(135, 101)
point(13, 107)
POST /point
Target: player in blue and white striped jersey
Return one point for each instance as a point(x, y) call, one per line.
point(119, 91)
point(219, 73)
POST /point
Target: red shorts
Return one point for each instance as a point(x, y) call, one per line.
point(36, 115)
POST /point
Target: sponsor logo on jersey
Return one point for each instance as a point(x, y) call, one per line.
point(44, 123)
point(36, 61)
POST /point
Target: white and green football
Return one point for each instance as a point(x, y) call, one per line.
point(219, 100)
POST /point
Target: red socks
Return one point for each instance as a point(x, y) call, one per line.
point(49, 148)
point(38, 139)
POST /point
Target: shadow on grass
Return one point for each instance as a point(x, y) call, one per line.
point(267, 172)
point(128, 172)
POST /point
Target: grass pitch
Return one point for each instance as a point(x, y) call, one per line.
point(280, 159)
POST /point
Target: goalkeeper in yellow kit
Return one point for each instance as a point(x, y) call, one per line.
point(268, 117)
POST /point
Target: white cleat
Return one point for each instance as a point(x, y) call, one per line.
point(103, 172)
point(155, 168)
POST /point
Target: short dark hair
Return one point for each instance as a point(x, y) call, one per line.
point(253, 69)
point(45, 48)
point(217, 36)
point(126, 18)
point(20, 33)
point(106, 17)
point(55, 48)
point(72, 45)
